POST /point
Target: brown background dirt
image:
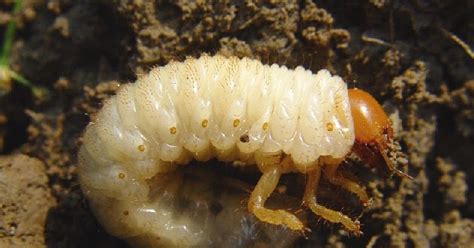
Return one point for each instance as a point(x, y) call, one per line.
point(408, 54)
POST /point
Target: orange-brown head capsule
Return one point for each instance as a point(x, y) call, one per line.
point(373, 130)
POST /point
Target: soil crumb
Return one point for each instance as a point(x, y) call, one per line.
point(25, 201)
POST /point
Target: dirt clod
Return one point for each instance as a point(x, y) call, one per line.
point(25, 201)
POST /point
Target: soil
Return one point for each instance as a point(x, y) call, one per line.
point(413, 56)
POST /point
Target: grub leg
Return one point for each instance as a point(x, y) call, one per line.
point(328, 214)
point(265, 186)
point(331, 174)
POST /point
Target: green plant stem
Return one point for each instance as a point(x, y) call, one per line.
point(9, 34)
point(20, 79)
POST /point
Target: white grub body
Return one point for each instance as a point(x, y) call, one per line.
point(213, 107)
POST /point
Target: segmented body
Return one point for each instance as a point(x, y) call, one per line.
point(229, 108)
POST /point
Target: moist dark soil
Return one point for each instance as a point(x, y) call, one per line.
point(414, 56)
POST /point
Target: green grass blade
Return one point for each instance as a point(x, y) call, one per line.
point(9, 34)
point(20, 79)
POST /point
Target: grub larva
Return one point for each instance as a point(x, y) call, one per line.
point(232, 109)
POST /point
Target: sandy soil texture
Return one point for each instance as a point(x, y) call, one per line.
point(414, 56)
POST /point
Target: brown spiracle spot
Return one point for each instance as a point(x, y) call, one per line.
point(173, 130)
point(329, 126)
point(204, 123)
point(236, 123)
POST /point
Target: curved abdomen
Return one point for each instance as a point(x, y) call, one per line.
point(227, 108)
